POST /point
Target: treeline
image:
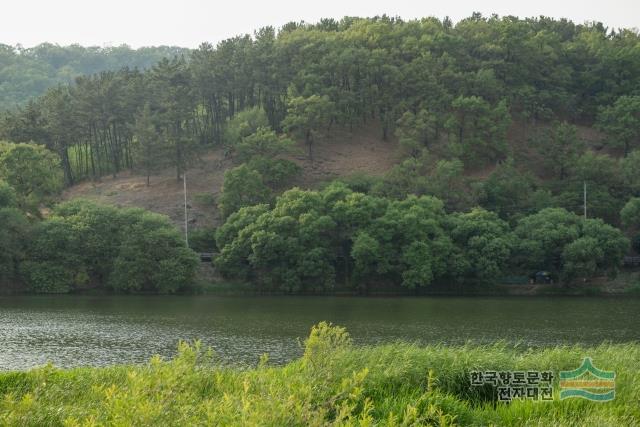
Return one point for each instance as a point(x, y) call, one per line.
point(26, 73)
point(352, 235)
point(312, 241)
point(428, 78)
point(80, 245)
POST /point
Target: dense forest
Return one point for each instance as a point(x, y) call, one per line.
point(450, 94)
point(26, 73)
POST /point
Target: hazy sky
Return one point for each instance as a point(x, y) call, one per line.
point(189, 22)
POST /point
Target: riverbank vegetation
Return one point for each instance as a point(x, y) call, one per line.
point(310, 239)
point(500, 124)
point(83, 246)
point(333, 383)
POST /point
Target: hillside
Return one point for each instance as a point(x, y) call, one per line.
point(343, 153)
point(466, 151)
point(340, 154)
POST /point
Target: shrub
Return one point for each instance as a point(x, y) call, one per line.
point(88, 245)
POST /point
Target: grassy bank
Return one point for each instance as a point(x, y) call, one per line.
point(332, 384)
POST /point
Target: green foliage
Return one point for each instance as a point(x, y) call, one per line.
point(447, 182)
point(429, 79)
point(443, 179)
point(580, 257)
point(324, 341)
point(287, 248)
point(621, 122)
point(360, 182)
point(559, 148)
point(630, 168)
point(312, 240)
point(203, 239)
point(149, 150)
point(175, 106)
point(481, 129)
point(28, 72)
point(243, 186)
point(412, 241)
point(610, 240)
point(605, 188)
point(55, 263)
point(484, 244)
point(8, 196)
point(33, 172)
point(307, 116)
point(276, 173)
point(453, 88)
point(334, 383)
point(509, 191)
point(542, 237)
point(408, 177)
point(630, 213)
point(559, 241)
point(416, 131)
point(152, 257)
point(243, 124)
point(262, 143)
point(261, 151)
point(14, 233)
point(84, 245)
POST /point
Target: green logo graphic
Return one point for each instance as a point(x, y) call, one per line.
point(588, 382)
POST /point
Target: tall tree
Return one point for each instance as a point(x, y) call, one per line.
point(33, 171)
point(621, 122)
point(559, 147)
point(149, 149)
point(306, 117)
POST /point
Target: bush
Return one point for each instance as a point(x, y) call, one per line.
point(33, 171)
point(203, 239)
point(86, 245)
point(242, 187)
point(15, 232)
point(276, 173)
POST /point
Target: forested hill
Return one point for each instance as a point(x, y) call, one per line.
point(496, 124)
point(428, 79)
point(27, 73)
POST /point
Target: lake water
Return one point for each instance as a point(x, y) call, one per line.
point(102, 330)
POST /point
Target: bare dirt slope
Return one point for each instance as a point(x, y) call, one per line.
point(341, 153)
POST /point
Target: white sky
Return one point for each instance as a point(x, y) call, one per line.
point(189, 22)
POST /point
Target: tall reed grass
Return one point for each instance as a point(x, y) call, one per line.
point(334, 383)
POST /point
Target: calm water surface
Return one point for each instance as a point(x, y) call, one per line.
point(102, 330)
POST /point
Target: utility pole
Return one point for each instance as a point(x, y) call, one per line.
point(585, 199)
point(186, 218)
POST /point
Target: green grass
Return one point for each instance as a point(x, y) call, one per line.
point(333, 383)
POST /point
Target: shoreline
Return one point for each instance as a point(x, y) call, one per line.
point(626, 284)
point(333, 383)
